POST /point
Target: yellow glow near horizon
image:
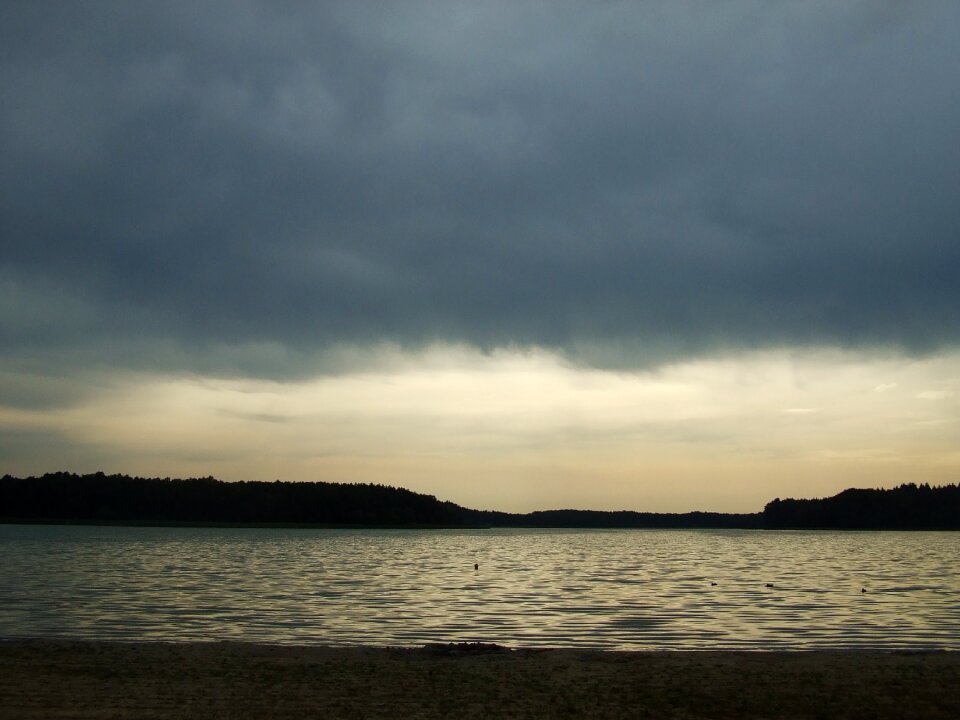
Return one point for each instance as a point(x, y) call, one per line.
point(525, 430)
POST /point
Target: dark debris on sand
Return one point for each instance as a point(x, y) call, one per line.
point(464, 648)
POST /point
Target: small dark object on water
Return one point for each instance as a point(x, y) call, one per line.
point(863, 590)
point(476, 566)
point(713, 584)
point(769, 584)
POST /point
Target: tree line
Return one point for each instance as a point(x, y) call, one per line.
point(64, 497)
point(67, 497)
point(907, 507)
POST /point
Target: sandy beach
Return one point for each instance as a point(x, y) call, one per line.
point(66, 679)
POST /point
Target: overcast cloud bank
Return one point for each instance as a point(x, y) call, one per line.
point(248, 188)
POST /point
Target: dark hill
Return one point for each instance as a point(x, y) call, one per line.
point(908, 507)
point(119, 499)
point(99, 498)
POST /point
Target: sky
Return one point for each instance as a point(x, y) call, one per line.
point(659, 256)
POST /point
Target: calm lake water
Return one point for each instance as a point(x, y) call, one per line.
point(629, 589)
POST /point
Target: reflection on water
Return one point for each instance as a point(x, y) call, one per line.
point(630, 589)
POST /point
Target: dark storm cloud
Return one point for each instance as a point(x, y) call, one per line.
point(239, 187)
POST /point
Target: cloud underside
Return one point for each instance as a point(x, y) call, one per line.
point(242, 188)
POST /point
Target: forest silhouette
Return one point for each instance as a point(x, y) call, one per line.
point(97, 498)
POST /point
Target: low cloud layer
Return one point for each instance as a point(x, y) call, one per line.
point(248, 188)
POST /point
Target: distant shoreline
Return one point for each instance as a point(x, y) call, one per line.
point(87, 679)
point(241, 525)
point(333, 526)
point(100, 499)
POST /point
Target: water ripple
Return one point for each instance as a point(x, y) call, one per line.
point(611, 589)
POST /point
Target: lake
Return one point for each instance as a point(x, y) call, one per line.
point(623, 589)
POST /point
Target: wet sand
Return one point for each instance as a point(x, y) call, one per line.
point(53, 679)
